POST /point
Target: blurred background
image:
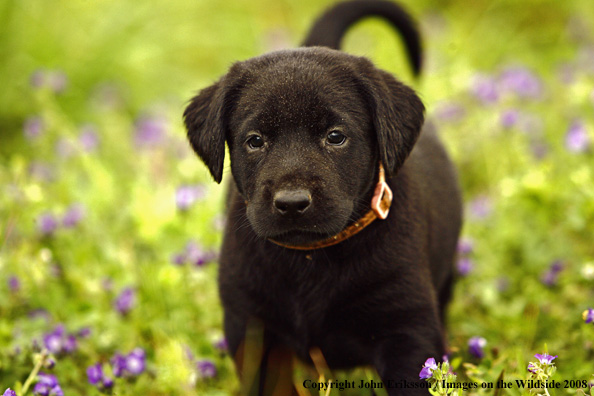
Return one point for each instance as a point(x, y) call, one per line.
point(110, 226)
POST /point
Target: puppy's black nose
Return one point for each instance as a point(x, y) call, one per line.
point(292, 202)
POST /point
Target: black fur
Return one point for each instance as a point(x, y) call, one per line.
point(376, 299)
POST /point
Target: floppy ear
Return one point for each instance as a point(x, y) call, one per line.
point(397, 115)
point(205, 122)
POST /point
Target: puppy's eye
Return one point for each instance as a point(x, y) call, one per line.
point(335, 138)
point(255, 142)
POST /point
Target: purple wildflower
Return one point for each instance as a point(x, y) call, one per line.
point(449, 111)
point(33, 127)
point(194, 254)
point(129, 365)
point(545, 358)
point(47, 385)
point(206, 368)
point(96, 377)
point(484, 88)
point(428, 368)
point(85, 332)
point(73, 215)
point(125, 301)
point(58, 81)
point(37, 79)
point(476, 345)
point(118, 365)
point(521, 81)
point(14, 284)
point(465, 246)
point(59, 342)
point(149, 131)
point(9, 392)
point(464, 266)
point(509, 118)
point(186, 196)
point(480, 207)
point(532, 368)
point(221, 344)
point(95, 374)
point(135, 361)
point(549, 278)
point(88, 138)
point(576, 138)
point(588, 315)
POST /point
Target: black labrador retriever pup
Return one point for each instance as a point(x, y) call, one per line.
point(343, 217)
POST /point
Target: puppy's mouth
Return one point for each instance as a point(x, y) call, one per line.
point(299, 237)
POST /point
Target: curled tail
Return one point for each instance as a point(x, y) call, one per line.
point(329, 29)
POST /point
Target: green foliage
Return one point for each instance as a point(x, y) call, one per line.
point(120, 72)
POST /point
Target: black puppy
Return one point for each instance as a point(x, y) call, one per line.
point(313, 253)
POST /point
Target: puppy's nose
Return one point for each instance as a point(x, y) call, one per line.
point(292, 202)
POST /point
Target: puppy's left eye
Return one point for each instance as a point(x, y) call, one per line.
point(335, 138)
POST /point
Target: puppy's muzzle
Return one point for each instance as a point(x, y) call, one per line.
point(292, 203)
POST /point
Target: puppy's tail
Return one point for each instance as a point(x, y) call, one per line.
point(329, 29)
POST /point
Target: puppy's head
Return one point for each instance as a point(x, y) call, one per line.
point(306, 129)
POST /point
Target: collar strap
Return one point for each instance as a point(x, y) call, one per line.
point(380, 207)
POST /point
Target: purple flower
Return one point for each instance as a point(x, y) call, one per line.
point(484, 88)
point(206, 368)
point(532, 368)
point(135, 362)
point(481, 207)
point(59, 342)
point(149, 131)
point(118, 365)
point(130, 365)
point(95, 374)
point(464, 266)
point(96, 377)
point(125, 301)
point(37, 79)
point(9, 392)
point(88, 138)
point(222, 345)
point(84, 332)
point(549, 278)
point(194, 254)
point(47, 224)
point(73, 215)
point(576, 138)
point(465, 246)
point(33, 127)
point(428, 368)
point(545, 358)
point(509, 118)
point(14, 284)
point(58, 81)
point(588, 315)
point(449, 111)
point(521, 81)
point(186, 196)
point(476, 345)
point(47, 385)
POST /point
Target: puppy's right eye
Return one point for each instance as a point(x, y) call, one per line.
point(255, 142)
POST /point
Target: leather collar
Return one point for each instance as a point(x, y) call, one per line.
point(380, 207)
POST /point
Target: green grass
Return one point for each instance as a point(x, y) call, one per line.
point(126, 60)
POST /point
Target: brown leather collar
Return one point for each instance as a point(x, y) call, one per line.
point(380, 207)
